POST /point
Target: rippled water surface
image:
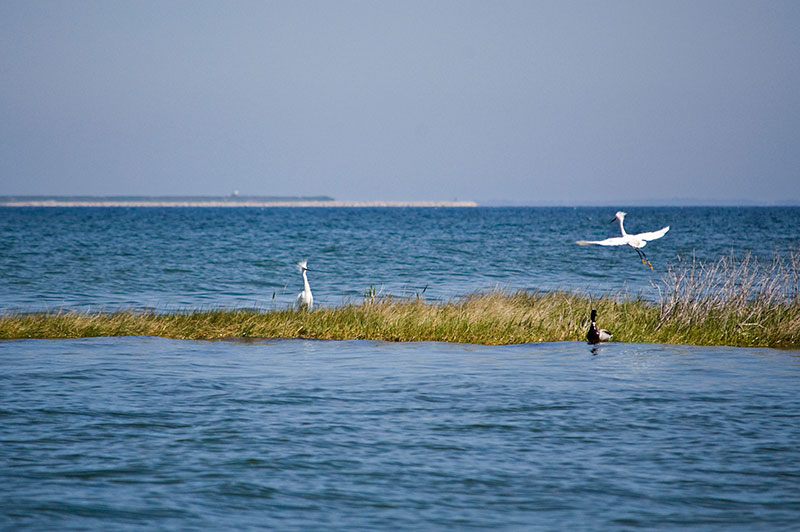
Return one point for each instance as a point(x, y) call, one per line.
point(155, 434)
point(107, 434)
point(178, 258)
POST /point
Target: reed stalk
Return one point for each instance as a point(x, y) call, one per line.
point(738, 302)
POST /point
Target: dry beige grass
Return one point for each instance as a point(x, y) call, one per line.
point(729, 302)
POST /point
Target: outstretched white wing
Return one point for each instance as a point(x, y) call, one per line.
point(647, 237)
point(616, 241)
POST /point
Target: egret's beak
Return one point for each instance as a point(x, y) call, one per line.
point(614, 219)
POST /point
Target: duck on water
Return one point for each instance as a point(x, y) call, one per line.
point(595, 335)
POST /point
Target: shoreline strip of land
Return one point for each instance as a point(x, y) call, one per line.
point(228, 203)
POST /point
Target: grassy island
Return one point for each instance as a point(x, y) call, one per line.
point(731, 302)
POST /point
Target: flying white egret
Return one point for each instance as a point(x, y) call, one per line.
point(304, 298)
point(637, 241)
point(595, 335)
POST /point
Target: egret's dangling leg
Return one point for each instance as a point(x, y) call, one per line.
point(643, 257)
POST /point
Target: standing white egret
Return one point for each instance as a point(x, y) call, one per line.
point(304, 298)
point(595, 335)
point(637, 241)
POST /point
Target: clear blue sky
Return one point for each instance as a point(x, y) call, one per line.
point(560, 102)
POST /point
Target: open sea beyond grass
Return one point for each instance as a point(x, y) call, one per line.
point(157, 434)
point(190, 258)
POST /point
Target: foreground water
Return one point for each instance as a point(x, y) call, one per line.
point(189, 258)
point(123, 433)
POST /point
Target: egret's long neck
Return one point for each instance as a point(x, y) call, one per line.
point(305, 282)
point(621, 227)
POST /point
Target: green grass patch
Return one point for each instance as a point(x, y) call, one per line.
point(730, 302)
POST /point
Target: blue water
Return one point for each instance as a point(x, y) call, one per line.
point(177, 258)
point(156, 434)
point(109, 434)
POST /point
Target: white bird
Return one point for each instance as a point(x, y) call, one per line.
point(304, 298)
point(595, 335)
point(637, 241)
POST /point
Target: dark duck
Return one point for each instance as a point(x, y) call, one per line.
point(595, 335)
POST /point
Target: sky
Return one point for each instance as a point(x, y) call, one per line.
point(509, 102)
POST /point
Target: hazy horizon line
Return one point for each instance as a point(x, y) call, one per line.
point(57, 200)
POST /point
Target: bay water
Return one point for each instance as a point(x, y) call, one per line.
point(151, 433)
point(187, 258)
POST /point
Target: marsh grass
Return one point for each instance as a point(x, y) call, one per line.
point(729, 302)
point(732, 301)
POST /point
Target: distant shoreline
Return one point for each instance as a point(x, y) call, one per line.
point(216, 202)
point(315, 201)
